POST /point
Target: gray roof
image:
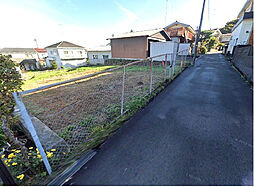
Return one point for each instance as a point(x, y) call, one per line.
point(99, 49)
point(17, 50)
point(137, 33)
point(29, 61)
point(64, 44)
point(245, 6)
point(179, 23)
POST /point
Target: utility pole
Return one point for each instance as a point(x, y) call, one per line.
point(198, 34)
point(36, 43)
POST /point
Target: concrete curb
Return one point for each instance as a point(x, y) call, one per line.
point(69, 172)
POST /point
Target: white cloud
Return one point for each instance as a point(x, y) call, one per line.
point(130, 14)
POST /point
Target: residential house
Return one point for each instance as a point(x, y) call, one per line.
point(180, 32)
point(66, 54)
point(99, 54)
point(41, 55)
point(216, 33)
point(136, 45)
point(242, 32)
point(29, 58)
point(225, 38)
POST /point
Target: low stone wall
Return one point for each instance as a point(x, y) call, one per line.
point(243, 60)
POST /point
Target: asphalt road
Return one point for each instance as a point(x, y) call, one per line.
point(196, 132)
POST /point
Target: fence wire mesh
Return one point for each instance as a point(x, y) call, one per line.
point(65, 116)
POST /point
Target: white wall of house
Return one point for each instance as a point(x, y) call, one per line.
point(70, 53)
point(184, 49)
point(42, 55)
point(240, 35)
point(245, 32)
point(64, 56)
point(73, 63)
point(98, 57)
point(54, 55)
point(159, 48)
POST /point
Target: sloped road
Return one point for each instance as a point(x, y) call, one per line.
point(197, 132)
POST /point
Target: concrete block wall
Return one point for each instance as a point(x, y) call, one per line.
point(243, 60)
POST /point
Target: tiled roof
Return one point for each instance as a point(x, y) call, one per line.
point(64, 44)
point(179, 23)
point(137, 33)
point(17, 50)
point(40, 50)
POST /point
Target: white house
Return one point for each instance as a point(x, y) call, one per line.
point(99, 54)
point(242, 31)
point(30, 58)
point(66, 54)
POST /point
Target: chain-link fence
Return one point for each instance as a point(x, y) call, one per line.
point(79, 114)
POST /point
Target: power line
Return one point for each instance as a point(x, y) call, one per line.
point(209, 14)
point(166, 12)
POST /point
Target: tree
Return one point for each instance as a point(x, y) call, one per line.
point(228, 27)
point(212, 43)
point(10, 81)
point(203, 50)
point(205, 35)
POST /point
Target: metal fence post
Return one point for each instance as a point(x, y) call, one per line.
point(123, 84)
point(173, 65)
point(165, 70)
point(182, 61)
point(151, 76)
point(169, 69)
point(185, 62)
point(32, 131)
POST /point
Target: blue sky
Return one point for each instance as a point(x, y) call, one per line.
point(90, 22)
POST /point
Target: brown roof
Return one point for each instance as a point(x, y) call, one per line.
point(183, 24)
point(137, 34)
point(64, 44)
point(40, 50)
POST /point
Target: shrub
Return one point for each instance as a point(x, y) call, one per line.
point(203, 50)
point(54, 65)
point(10, 81)
point(2, 139)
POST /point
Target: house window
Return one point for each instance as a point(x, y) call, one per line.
point(51, 52)
point(95, 56)
point(105, 56)
point(80, 52)
point(66, 52)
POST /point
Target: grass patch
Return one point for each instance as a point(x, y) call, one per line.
point(34, 79)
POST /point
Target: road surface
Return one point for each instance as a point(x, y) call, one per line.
point(198, 131)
